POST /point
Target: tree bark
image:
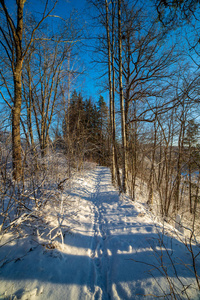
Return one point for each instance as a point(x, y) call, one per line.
point(111, 77)
point(110, 94)
point(17, 77)
point(124, 162)
point(15, 54)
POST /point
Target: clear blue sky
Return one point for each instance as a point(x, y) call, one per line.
point(89, 84)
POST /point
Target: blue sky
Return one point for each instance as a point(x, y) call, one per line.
point(64, 6)
point(88, 82)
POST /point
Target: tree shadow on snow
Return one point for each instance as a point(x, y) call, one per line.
point(124, 258)
point(118, 249)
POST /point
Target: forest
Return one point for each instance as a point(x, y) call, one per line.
point(141, 122)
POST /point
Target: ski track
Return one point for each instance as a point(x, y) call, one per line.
point(97, 260)
point(99, 256)
point(122, 231)
point(111, 218)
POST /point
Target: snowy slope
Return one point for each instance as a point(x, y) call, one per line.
point(114, 250)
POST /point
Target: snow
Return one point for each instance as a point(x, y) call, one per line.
point(92, 243)
point(178, 224)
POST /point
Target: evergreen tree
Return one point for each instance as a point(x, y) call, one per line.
point(88, 129)
point(102, 111)
point(103, 115)
point(91, 121)
point(76, 113)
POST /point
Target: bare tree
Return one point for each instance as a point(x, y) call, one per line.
point(12, 44)
point(124, 150)
point(44, 86)
point(111, 77)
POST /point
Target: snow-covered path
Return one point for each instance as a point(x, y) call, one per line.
point(116, 237)
point(113, 252)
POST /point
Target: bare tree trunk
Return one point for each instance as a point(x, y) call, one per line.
point(111, 75)
point(124, 162)
point(16, 112)
point(113, 103)
point(179, 165)
point(12, 36)
point(152, 170)
point(67, 119)
point(190, 179)
point(16, 140)
point(110, 92)
point(28, 96)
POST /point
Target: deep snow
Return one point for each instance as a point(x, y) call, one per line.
point(112, 248)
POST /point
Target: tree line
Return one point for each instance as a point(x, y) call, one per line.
point(147, 54)
point(153, 87)
point(151, 79)
point(84, 131)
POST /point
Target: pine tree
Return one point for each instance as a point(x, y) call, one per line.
point(102, 110)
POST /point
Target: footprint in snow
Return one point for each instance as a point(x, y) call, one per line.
point(131, 224)
point(98, 262)
point(149, 229)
